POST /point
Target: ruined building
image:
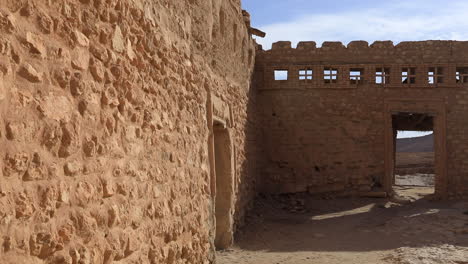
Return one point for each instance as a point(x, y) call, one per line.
point(330, 115)
point(140, 131)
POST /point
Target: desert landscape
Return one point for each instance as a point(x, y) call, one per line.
point(415, 161)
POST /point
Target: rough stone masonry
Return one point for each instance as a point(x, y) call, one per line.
point(135, 131)
point(104, 128)
point(330, 115)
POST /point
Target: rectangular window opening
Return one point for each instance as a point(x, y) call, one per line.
point(435, 75)
point(382, 75)
point(330, 75)
point(306, 74)
point(281, 75)
point(462, 75)
point(408, 75)
point(356, 75)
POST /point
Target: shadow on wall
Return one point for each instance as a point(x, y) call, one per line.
point(249, 169)
point(233, 162)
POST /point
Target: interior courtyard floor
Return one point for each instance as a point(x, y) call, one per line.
point(301, 229)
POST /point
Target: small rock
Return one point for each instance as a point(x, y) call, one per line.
point(81, 39)
point(89, 148)
point(72, 168)
point(58, 108)
point(8, 22)
point(97, 70)
point(108, 188)
point(5, 67)
point(130, 53)
point(2, 88)
point(45, 23)
point(29, 73)
point(132, 245)
point(114, 216)
point(80, 59)
point(118, 40)
point(14, 130)
point(64, 193)
point(76, 84)
point(36, 44)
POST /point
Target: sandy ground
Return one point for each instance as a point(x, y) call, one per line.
point(414, 159)
point(300, 229)
point(419, 179)
point(414, 162)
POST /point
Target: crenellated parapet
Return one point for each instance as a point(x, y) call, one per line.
point(427, 64)
point(432, 51)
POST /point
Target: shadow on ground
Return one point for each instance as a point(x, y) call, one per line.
point(359, 229)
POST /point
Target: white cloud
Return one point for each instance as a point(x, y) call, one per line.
point(410, 20)
point(412, 134)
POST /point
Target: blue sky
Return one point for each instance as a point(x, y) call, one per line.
point(348, 20)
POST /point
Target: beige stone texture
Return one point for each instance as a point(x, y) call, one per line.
point(140, 131)
point(105, 122)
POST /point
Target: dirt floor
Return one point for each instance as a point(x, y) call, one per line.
point(301, 229)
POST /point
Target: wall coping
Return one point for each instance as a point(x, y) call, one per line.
point(364, 45)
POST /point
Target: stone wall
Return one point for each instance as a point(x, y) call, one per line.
point(329, 134)
point(104, 128)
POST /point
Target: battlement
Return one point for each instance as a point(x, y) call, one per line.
point(364, 45)
point(360, 52)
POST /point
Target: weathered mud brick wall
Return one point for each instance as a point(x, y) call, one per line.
point(104, 128)
point(325, 129)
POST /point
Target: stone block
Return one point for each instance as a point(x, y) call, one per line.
point(118, 41)
point(72, 168)
point(36, 44)
point(281, 45)
point(80, 39)
point(29, 73)
point(306, 45)
point(333, 45)
point(358, 44)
